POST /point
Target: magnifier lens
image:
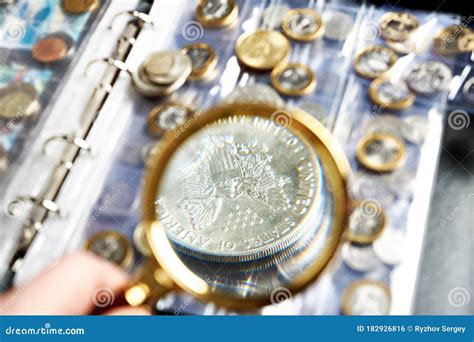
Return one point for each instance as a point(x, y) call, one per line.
point(247, 205)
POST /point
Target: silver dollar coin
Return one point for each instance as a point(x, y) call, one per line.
point(429, 77)
point(273, 15)
point(389, 246)
point(338, 25)
point(227, 191)
point(315, 110)
point(257, 93)
point(468, 90)
point(359, 257)
point(414, 128)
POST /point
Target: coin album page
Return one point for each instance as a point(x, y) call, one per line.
point(111, 179)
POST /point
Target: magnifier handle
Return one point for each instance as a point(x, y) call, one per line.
point(152, 283)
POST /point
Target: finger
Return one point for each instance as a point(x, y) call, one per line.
point(128, 311)
point(76, 285)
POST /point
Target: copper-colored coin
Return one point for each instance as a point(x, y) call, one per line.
point(79, 6)
point(51, 49)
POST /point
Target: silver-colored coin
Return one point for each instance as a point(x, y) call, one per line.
point(226, 192)
point(171, 117)
point(389, 246)
point(384, 123)
point(414, 128)
point(366, 298)
point(393, 91)
point(365, 224)
point(148, 151)
point(199, 56)
point(257, 93)
point(316, 110)
point(140, 241)
point(364, 185)
point(402, 182)
point(429, 77)
point(382, 152)
point(375, 61)
point(338, 25)
point(468, 90)
point(167, 67)
point(360, 258)
point(273, 15)
point(4, 163)
point(215, 9)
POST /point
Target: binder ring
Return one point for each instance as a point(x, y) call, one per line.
point(111, 61)
point(142, 17)
point(129, 40)
point(70, 139)
point(47, 204)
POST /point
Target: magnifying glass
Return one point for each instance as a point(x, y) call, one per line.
point(245, 199)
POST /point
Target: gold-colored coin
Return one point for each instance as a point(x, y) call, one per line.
point(217, 13)
point(79, 6)
point(263, 50)
point(366, 222)
point(446, 40)
point(381, 152)
point(374, 61)
point(466, 43)
point(111, 246)
point(293, 79)
point(303, 24)
point(167, 116)
point(203, 58)
point(398, 26)
point(366, 297)
point(18, 100)
point(393, 95)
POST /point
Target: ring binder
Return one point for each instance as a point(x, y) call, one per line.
point(45, 201)
point(111, 61)
point(70, 139)
point(141, 16)
point(47, 204)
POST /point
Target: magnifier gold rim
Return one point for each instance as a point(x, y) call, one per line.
point(225, 21)
point(333, 160)
point(308, 88)
point(366, 239)
point(298, 36)
point(398, 105)
point(368, 49)
point(345, 306)
point(388, 167)
point(209, 65)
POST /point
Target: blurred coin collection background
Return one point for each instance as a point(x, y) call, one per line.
point(286, 149)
